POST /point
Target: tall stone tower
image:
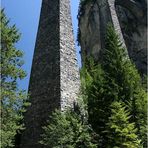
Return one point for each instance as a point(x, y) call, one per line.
point(54, 81)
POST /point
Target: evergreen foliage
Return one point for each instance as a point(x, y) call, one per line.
point(68, 130)
point(80, 13)
point(11, 97)
point(84, 2)
point(125, 82)
point(94, 89)
point(115, 79)
point(120, 132)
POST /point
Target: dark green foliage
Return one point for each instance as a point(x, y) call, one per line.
point(84, 2)
point(68, 130)
point(115, 79)
point(94, 88)
point(11, 97)
point(125, 82)
point(80, 13)
point(81, 6)
point(120, 132)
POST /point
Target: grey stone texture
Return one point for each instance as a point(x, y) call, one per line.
point(54, 81)
point(133, 21)
point(69, 77)
point(129, 19)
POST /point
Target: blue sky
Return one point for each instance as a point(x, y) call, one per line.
point(25, 14)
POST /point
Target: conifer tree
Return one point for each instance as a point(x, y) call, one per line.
point(11, 97)
point(124, 81)
point(67, 130)
point(120, 132)
point(115, 79)
point(94, 90)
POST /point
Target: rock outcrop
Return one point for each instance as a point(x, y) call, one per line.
point(129, 18)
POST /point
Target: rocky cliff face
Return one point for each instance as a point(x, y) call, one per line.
point(129, 19)
point(133, 22)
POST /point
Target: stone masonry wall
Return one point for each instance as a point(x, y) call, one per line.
point(68, 63)
point(54, 81)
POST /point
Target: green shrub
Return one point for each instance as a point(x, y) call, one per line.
point(67, 130)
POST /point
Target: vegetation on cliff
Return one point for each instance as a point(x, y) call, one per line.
point(80, 13)
point(115, 79)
